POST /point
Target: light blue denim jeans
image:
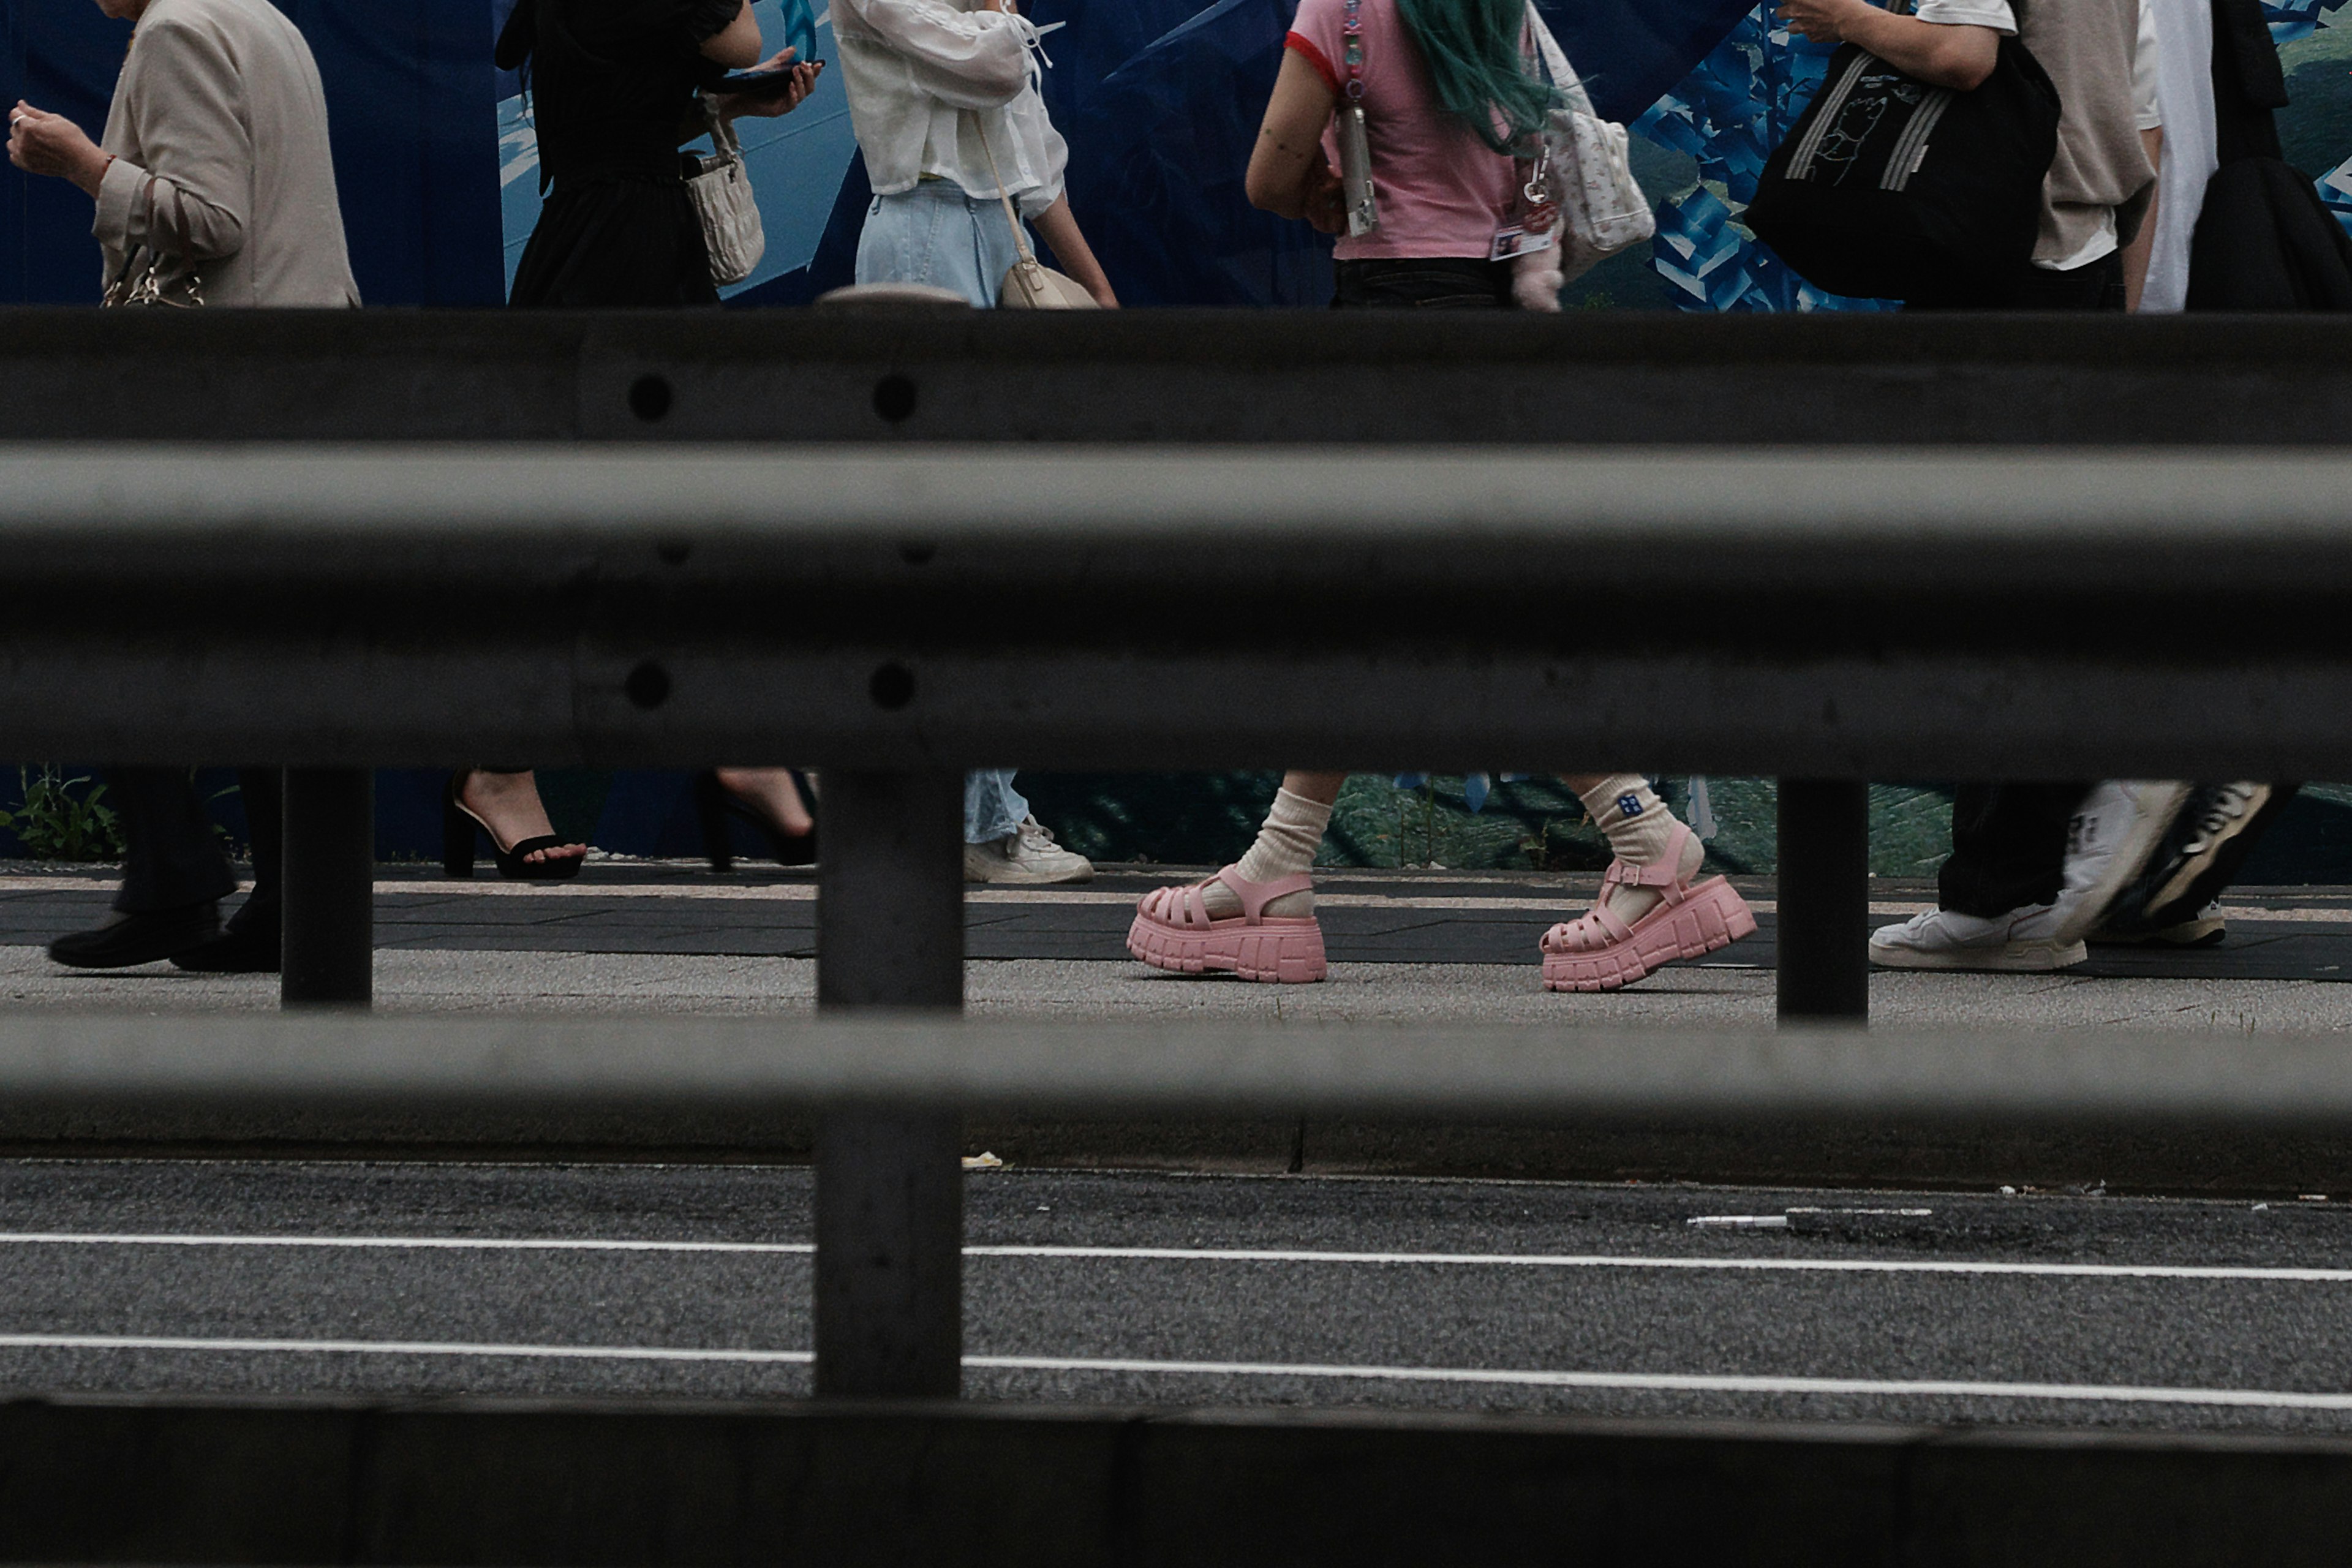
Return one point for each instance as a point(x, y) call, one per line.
point(935, 234)
point(992, 808)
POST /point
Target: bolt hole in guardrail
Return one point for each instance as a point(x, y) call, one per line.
point(918, 553)
point(894, 398)
point(647, 684)
point(892, 688)
point(672, 551)
point(650, 397)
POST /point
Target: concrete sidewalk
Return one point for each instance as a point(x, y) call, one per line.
point(670, 939)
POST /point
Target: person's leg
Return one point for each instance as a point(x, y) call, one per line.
point(1444, 283)
point(173, 858)
point(1286, 845)
point(2008, 845)
point(771, 793)
point(932, 236)
point(253, 941)
point(1652, 909)
point(173, 875)
point(263, 790)
point(506, 802)
point(1255, 917)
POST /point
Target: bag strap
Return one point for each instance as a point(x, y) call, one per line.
point(1352, 50)
point(724, 142)
point(1020, 239)
point(1561, 75)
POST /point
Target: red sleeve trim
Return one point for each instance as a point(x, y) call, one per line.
point(1306, 47)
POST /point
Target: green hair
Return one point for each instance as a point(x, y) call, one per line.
point(1476, 51)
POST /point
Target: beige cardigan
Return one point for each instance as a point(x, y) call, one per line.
point(220, 134)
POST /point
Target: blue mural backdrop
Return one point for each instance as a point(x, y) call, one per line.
point(1157, 97)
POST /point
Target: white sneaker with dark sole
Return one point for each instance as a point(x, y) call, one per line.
point(2023, 942)
point(2109, 840)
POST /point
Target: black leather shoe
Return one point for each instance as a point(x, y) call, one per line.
point(251, 950)
point(128, 939)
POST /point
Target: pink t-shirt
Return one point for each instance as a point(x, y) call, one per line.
point(1442, 191)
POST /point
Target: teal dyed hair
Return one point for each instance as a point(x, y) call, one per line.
point(1479, 67)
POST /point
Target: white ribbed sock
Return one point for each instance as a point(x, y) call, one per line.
point(1638, 827)
point(1286, 846)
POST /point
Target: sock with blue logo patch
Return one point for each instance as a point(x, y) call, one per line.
point(1638, 827)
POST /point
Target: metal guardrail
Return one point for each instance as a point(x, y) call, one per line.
point(1365, 593)
point(426, 1066)
point(1911, 614)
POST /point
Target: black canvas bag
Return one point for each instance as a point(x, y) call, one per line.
point(1887, 186)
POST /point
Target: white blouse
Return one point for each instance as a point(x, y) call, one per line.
point(926, 78)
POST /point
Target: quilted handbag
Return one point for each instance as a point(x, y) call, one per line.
point(721, 189)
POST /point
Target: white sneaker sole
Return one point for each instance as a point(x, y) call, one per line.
point(2016, 958)
point(1015, 877)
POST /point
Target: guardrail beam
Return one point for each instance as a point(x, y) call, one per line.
point(1825, 920)
point(329, 955)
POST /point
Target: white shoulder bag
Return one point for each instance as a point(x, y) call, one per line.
point(1030, 284)
point(722, 196)
point(1603, 209)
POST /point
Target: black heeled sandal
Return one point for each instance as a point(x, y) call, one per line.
point(714, 803)
point(458, 825)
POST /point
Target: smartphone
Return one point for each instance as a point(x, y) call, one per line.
point(763, 84)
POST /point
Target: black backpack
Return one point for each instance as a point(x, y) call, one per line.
point(1888, 187)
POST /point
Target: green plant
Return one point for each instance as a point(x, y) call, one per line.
point(53, 823)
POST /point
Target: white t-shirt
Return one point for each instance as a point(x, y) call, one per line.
point(2001, 18)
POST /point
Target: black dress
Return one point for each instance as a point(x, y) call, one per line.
point(611, 82)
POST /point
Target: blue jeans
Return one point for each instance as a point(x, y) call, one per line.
point(935, 234)
point(992, 808)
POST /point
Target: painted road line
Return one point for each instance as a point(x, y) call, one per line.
point(1640, 1382)
point(1595, 1260)
point(1688, 1382)
point(401, 1347)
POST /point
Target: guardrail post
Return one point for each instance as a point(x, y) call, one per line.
point(330, 889)
point(889, 1180)
point(1824, 921)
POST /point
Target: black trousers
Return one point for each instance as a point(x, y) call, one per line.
point(2008, 845)
point(173, 858)
point(2009, 840)
point(2098, 286)
point(1432, 283)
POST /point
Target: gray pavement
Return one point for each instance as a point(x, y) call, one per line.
point(476, 979)
point(693, 1279)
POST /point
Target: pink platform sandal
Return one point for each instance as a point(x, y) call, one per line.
point(1601, 953)
point(1173, 930)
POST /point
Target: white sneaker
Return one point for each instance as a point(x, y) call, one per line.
point(2023, 942)
point(2113, 833)
point(1028, 857)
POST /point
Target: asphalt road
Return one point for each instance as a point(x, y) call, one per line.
point(2069, 1309)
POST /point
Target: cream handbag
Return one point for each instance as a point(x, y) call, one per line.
point(1602, 208)
point(722, 196)
point(1030, 285)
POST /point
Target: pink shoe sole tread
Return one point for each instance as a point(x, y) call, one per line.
point(1283, 952)
point(1712, 916)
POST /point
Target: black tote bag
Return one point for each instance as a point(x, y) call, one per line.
point(1888, 187)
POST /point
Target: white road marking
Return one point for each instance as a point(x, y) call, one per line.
point(1652, 1381)
point(1691, 1383)
point(397, 1347)
point(1230, 1255)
